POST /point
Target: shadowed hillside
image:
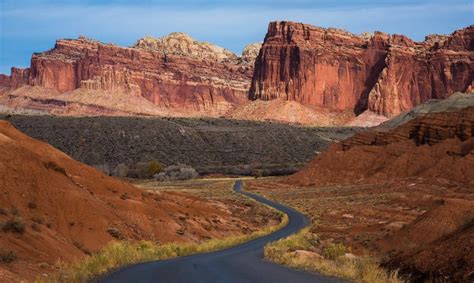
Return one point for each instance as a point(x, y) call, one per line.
point(210, 145)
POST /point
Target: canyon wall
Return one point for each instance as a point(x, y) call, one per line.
point(174, 71)
point(386, 74)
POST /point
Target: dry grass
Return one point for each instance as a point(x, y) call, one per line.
point(121, 253)
point(333, 263)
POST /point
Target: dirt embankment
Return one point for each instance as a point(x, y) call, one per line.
point(403, 192)
point(436, 145)
point(55, 209)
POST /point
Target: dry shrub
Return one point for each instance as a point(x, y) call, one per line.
point(362, 270)
point(15, 225)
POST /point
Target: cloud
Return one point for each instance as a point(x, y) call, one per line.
point(231, 25)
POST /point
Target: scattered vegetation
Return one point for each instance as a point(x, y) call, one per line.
point(256, 170)
point(115, 232)
point(122, 253)
point(14, 225)
point(32, 205)
point(36, 227)
point(7, 256)
point(333, 262)
point(120, 170)
point(220, 144)
point(3, 211)
point(177, 172)
point(335, 251)
point(154, 167)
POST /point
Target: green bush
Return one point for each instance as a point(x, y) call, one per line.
point(334, 251)
point(154, 167)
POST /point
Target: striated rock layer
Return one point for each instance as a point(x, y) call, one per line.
point(385, 74)
point(431, 145)
point(173, 72)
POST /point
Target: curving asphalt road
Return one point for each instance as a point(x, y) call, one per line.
point(242, 263)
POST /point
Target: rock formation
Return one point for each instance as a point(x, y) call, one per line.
point(172, 72)
point(435, 143)
point(385, 74)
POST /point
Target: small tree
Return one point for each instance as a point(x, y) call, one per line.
point(154, 167)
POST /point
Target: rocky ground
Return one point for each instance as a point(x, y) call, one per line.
point(210, 145)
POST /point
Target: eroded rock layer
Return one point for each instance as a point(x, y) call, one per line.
point(430, 145)
point(386, 74)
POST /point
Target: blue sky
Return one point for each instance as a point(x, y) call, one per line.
point(33, 26)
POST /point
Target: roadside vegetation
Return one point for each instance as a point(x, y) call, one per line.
point(301, 251)
point(121, 253)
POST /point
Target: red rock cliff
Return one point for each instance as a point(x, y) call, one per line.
point(386, 74)
point(173, 72)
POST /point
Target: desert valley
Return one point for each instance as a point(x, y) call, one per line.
point(315, 155)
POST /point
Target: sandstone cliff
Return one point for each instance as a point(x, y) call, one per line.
point(172, 72)
point(385, 74)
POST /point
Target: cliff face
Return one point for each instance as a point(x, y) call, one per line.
point(386, 74)
point(171, 72)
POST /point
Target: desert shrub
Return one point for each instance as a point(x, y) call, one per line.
point(120, 170)
point(15, 211)
point(359, 269)
point(53, 166)
point(154, 167)
point(7, 256)
point(36, 227)
point(37, 219)
point(15, 225)
point(140, 171)
point(32, 205)
point(334, 251)
point(177, 172)
point(3, 211)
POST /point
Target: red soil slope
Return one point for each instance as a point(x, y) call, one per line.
point(69, 209)
point(436, 145)
point(437, 149)
point(438, 244)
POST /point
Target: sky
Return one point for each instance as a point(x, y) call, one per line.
point(34, 25)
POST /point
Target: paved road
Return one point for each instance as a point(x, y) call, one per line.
point(242, 263)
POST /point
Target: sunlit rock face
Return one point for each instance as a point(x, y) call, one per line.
point(173, 72)
point(386, 74)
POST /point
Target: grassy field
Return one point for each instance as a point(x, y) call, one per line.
point(121, 253)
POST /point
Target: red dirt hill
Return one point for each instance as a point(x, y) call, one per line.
point(55, 208)
point(436, 149)
point(436, 145)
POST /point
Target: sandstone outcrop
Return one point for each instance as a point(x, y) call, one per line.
point(172, 72)
point(385, 74)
